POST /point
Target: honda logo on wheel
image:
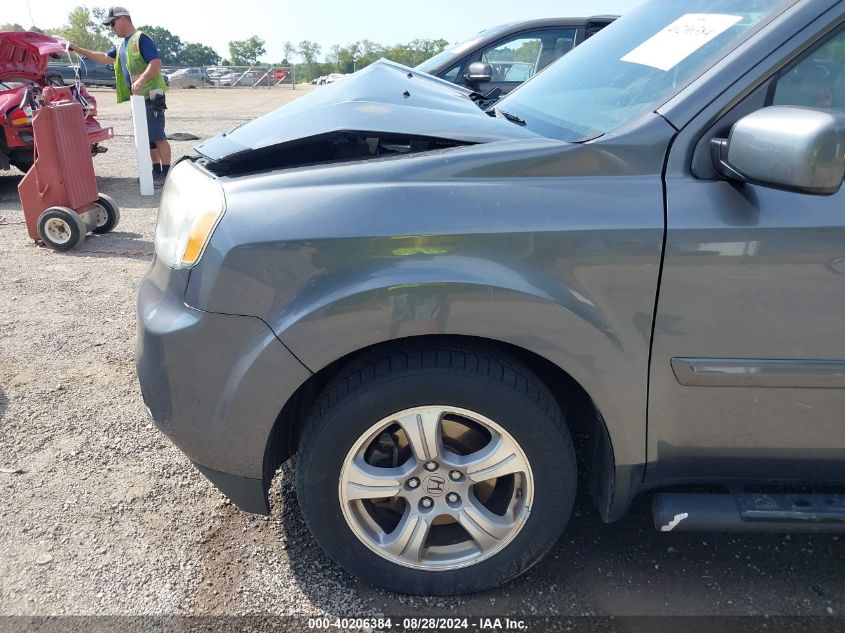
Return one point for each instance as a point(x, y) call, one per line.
point(435, 485)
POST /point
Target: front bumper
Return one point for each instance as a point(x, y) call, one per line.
point(213, 383)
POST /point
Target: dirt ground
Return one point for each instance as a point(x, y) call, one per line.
point(99, 514)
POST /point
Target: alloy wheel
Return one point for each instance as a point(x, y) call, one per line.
point(436, 488)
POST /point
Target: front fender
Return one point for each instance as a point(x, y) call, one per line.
point(570, 325)
point(551, 247)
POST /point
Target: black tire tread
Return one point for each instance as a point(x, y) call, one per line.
point(474, 358)
point(485, 363)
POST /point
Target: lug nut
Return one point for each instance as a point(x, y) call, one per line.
point(454, 475)
point(453, 497)
point(413, 482)
point(430, 466)
point(426, 502)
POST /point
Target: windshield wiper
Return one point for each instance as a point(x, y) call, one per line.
point(511, 117)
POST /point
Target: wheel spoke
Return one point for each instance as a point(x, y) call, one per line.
point(408, 538)
point(394, 509)
point(371, 482)
point(423, 431)
point(485, 528)
point(499, 458)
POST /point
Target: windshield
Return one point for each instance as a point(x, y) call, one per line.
point(634, 65)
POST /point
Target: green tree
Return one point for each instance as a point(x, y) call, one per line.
point(349, 57)
point(333, 58)
point(246, 52)
point(169, 46)
point(9, 26)
point(309, 50)
point(366, 52)
point(194, 54)
point(83, 28)
point(528, 51)
point(289, 49)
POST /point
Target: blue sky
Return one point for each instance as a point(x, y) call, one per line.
point(327, 22)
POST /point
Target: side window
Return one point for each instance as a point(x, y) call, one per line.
point(525, 54)
point(817, 81)
point(555, 47)
point(518, 71)
point(454, 73)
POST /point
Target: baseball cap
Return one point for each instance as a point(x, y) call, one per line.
point(114, 12)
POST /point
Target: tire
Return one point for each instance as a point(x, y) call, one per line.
point(61, 228)
point(108, 214)
point(492, 417)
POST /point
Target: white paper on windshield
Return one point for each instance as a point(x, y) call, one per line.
point(672, 45)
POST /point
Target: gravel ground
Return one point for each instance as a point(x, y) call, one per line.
point(107, 518)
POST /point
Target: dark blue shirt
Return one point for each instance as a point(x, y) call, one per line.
point(149, 51)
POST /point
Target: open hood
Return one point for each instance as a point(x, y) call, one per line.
point(384, 100)
point(25, 54)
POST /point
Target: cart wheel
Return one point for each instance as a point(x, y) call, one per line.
point(108, 214)
point(61, 228)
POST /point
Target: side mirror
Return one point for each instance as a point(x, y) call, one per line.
point(786, 147)
point(479, 72)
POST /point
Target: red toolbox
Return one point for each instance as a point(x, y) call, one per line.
point(59, 193)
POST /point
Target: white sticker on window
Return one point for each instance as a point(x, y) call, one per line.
point(670, 46)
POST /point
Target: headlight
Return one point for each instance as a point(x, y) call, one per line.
point(192, 204)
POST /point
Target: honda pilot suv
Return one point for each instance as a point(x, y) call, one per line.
point(643, 246)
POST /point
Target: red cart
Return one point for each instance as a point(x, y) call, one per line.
point(59, 193)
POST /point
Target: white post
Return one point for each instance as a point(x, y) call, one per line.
point(142, 144)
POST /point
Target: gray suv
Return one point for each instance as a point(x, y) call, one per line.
point(643, 247)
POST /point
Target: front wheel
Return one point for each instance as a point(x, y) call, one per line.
point(437, 470)
point(61, 228)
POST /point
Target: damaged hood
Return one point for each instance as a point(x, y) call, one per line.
point(25, 54)
point(383, 98)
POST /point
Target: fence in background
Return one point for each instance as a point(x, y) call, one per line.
point(230, 77)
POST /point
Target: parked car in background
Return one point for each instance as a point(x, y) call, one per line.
point(89, 72)
point(252, 77)
point(643, 245)
point(215, 72)
point(23, 74)
point(233, 79)
point(333, 77)
point(506, 56)
point(189, 78)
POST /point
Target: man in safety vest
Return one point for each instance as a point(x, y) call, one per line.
point(137, 71)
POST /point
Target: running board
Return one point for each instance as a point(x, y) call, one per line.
point(749, 512)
